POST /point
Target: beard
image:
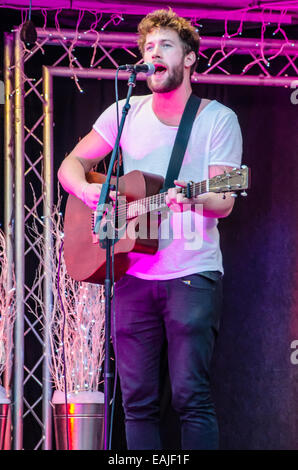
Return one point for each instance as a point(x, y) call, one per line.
point(173, 80)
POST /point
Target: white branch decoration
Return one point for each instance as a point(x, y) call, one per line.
point(77, 319)
point(7, 310)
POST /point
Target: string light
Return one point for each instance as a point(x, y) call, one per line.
point(262, 59)
point(116, 19)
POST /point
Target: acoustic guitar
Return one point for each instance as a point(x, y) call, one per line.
point(140, 202)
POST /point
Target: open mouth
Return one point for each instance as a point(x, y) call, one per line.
point(159, 69)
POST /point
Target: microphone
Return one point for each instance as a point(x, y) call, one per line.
point(146, 68)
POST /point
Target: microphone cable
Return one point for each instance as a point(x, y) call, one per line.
point(113, 270)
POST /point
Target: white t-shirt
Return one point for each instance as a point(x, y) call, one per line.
point(188, 242)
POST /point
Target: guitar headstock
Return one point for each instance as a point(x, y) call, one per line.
point(236, 180)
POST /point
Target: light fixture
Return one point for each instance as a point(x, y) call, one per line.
point(28, 31)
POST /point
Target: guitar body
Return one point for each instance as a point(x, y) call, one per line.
point(84, 257)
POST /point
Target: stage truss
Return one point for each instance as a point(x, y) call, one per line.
point(25, 167)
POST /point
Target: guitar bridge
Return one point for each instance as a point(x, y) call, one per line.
point(94, 235)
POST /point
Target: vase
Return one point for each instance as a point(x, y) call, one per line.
point(4, 408)
point(79, 425)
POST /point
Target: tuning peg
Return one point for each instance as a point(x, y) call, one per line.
point(233, 195)
point(244, 193)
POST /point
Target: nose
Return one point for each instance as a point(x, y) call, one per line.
point(156, 51)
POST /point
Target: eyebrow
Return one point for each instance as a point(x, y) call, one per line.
point(162, 40)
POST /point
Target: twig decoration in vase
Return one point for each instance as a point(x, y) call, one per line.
point(77, 346)
point(7, 318)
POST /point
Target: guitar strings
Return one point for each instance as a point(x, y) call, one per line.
point(159, 199)
point(155, 200)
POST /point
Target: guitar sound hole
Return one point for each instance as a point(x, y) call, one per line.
point(113, 227)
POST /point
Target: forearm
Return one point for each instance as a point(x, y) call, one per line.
point(72, 176)
point(87, 153)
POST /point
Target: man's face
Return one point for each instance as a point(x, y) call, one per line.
point(165, 50)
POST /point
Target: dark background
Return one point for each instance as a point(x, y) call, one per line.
point(254, 382)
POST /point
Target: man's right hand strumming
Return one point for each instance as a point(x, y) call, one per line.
point(90, 193)
point(72, 173)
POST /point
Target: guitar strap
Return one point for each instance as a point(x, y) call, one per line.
point(181, 141)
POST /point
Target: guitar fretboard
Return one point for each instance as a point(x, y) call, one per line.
point(158, 201)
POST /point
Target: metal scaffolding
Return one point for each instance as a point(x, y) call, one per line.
point(24, 167)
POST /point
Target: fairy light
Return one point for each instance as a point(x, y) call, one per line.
point(261, 45)
point(115, 19)
point(56, 20)
point(194, 22)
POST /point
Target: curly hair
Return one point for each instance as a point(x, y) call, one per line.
point(169, 19)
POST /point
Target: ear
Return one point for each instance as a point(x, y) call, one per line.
point(189, 59)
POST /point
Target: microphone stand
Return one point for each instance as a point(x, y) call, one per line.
point(101, 207)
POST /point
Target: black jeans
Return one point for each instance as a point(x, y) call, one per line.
point(185, 312)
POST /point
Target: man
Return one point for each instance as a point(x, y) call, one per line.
point(174, 295)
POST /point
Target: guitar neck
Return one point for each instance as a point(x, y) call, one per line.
point(158, 201)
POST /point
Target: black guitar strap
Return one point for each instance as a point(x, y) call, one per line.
point(181, 141)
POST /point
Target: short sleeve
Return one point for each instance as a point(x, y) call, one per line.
point(226, 142)
point(106, 125)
